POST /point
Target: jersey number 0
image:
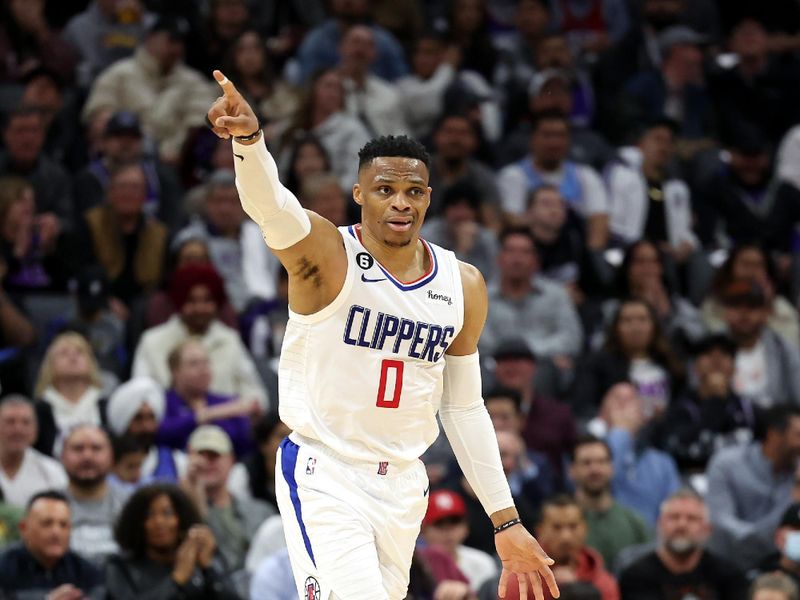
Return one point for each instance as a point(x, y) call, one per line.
point(386, 366)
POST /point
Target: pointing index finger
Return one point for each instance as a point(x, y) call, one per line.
point(226, 84)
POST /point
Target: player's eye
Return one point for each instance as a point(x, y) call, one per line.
point(384, 189)
point(418, 191)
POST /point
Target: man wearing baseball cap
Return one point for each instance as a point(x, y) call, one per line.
point(445, 526)
point(234, 520)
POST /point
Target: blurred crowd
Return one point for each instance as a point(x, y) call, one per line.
point(624, 173)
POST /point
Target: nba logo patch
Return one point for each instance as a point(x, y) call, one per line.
point(312, 589)
point(312, 462)
point(383, 466)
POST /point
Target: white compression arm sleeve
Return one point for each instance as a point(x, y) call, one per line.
point(471, 434)
point(282, 219)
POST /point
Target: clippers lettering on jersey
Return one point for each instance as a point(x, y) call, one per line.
point(415, 339)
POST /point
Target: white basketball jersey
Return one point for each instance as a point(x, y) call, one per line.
point(364, 375)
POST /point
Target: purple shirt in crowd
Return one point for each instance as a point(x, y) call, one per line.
point(179, 422)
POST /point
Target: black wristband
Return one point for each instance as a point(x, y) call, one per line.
point(506, 525)
point(247, 138)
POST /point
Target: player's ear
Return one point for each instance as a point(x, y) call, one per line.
point(357, 195)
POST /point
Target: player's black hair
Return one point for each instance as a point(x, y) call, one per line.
point(504, 393)
point(392, 145)
point(129, 531)
point(588, 439)
point(46, 495)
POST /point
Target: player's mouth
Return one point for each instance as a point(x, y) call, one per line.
point(400, 225)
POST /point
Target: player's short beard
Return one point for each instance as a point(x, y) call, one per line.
point(402, 244)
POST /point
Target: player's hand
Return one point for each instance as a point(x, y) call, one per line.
point(230, 114)
point(522, 555)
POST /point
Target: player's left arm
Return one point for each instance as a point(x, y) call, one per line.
point(474, 441)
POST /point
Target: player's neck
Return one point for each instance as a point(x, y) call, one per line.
point(406, 263)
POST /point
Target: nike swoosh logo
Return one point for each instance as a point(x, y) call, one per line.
point(365, 280)
point(239, 156)
point(427, 489)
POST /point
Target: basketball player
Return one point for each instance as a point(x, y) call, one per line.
point(382, 333)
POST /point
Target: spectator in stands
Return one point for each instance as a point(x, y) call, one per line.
point(750, 262)
point(433, 66)
point(27, 41)
point(635, 350)
point(645, 274)
point(646, 203)
point(643, 476)
point(785, 557)
point(128, 456)
point(710, 415)
point(549, 426)
point(23, 138)
point(767, 366)
point(455, 141)
point(99, 318)
point(197, 292)
point(130, 245)
point(681, 565)
point(320, 47)
point(516, 61)
point(369, 98)
point(547, 162)
point(741, 203)
point(43, 564)
point(24, 471)
point(105, 32)
point(460, 228)
point(235, 243)
point(322, 194)
point(169, 97)
point(591, 27)
point(751, 485)
point(774, 586)
point(86, 456)
point(307, 157)
point(122, 143)
point(561, 247)
point(611, 527)
point(209, 42)
point(322, 114)
point(754, 87)
point(561, 530)
point(167, 552)
point(526, 305)
point(190, 403)
point(468, 29)
point(234, 520)
point(136, 409)
point(445, 526)
point(268, 433)
point(34, 262)
point(552, 90)
point(69, 389)
point(189, 249)
point(676, 89)
point(249, 65)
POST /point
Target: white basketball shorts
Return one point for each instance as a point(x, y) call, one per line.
point(350, 526)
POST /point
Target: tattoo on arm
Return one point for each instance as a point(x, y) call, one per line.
point(308, 270)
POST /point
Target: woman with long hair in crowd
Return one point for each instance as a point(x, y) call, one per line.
point(69, 389)
point(635, 350)
point(166, 550)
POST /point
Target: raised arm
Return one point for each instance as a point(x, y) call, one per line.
point(469, 430)
point(309, 246)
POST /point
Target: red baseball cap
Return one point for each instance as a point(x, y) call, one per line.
point(442, 505)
